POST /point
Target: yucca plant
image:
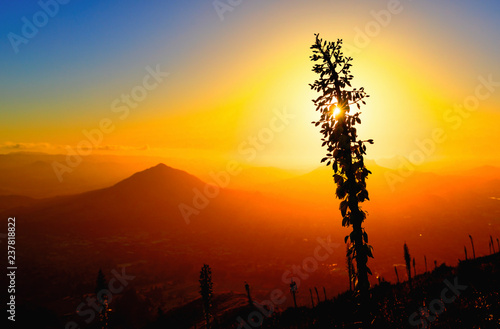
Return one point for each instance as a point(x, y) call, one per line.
point(206, 292)
point(407, 261)
point(345, 150)
point(473, 250)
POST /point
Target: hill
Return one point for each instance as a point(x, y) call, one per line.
point(260, 237)
point(465, 296)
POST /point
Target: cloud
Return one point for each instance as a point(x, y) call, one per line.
point(122, 148)
point(25, 146)
point(47, 147)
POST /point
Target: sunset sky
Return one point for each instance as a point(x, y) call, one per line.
point(227, 78)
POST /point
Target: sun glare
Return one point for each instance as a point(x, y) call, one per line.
point(336, 111)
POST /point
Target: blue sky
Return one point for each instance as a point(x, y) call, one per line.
point(64, 78)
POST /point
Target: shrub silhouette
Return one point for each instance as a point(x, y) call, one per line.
point(247, 288)
point(102, 299)
point(312, 300)
point(293, 290)
point(317, 294)
point(473, 250)
point(407, 261)
point(206, 292)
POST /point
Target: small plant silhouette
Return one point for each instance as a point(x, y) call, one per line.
point(317, 294)
point(397, 275)
point(407, 261)
point(247, 288)
point(293, 290)
point(206, 292)
point(102, 299)
point(100, 285)
point(473, 250)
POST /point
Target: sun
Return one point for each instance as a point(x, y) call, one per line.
point(336, 111)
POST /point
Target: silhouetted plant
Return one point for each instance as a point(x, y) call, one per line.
point(492, 244)
point(473, 250)
point(206, 292)
point(344, 150)
point(160, 313)
point(414, 269)
point(397, 275)
point(312, 300)
point(324, 291)
point(465, 251)
point(247, 288)
point(101, 284)
point(317, 294)
point(293, 290)
point(425, 261)
point(407, 261)
point(498, 245)
point(102, 299)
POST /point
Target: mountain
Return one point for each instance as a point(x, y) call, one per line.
point(259, 237)
point(145, 199)
point(14, 201)
point(33, 175)
point(137, 224)
point(159, 179)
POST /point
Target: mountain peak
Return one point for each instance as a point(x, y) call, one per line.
point(160, 165)
point(160, 175)
point(160, 168)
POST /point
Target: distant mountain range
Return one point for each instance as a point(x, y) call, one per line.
point(254, 235)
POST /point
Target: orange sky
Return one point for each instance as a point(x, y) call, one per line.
point(226, 79)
